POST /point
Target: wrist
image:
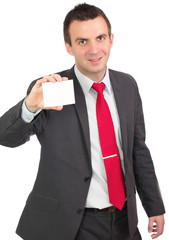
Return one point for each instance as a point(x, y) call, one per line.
point(30, 108)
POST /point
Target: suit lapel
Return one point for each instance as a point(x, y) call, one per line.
point(120, 103)
point(81, 109)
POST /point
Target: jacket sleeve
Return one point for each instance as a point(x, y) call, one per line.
point(145, 177)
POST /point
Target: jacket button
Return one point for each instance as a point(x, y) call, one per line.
point(86, 179)
point(79, 211)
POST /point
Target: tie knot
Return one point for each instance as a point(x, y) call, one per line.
point(98, 87)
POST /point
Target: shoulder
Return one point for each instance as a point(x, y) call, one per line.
point(124, 83)
point(123, 79)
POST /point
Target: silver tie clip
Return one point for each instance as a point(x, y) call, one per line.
point(110, 156)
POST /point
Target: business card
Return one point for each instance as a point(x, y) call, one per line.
point(58, 93)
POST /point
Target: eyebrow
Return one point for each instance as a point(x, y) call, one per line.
point(80, 39)
point(85, 39)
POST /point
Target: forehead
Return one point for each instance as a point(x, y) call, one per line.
point(88, 28)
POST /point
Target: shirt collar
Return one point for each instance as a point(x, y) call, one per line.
point(86, 83)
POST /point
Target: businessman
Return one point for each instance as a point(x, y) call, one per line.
point(93, 153)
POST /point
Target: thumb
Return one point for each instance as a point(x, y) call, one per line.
point(150, 225)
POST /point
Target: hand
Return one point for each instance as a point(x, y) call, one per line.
point(34, 100)
point(156, 225)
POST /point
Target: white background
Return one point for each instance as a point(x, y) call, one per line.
point(31, 46)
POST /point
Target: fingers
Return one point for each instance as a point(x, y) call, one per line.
point(54, 78)
point(51, 78)
point(150, 225)
point(58, 108)
point(64, 78)
point(156, 226)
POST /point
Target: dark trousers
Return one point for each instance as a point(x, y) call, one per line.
point(104, 225)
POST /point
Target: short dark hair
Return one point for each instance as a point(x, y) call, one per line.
point(82, 12)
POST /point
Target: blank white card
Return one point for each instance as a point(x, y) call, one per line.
point(58, 93)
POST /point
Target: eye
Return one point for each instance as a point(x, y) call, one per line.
point(82, 42)
point(101, 38)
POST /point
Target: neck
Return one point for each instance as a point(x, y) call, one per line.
point(95, 77)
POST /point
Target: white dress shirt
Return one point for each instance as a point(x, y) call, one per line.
point(98, 193)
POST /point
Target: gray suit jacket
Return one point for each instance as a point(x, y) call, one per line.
point(54, 208)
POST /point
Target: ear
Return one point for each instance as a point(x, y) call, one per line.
point(68, 48)
point(111, 39)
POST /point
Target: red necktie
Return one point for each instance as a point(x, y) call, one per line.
point(109, 149)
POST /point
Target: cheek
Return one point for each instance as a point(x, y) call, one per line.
point(106, 49)
point(80, 54)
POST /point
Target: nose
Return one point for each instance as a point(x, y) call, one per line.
point(93, 48)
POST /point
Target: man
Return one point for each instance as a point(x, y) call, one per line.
point(77, 193)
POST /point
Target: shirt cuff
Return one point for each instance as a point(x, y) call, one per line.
point(26, 115)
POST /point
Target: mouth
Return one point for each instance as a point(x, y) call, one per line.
point(95, 60)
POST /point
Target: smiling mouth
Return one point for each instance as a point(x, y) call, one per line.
point(95, 60)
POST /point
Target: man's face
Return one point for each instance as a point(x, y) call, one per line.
point(90, 45)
